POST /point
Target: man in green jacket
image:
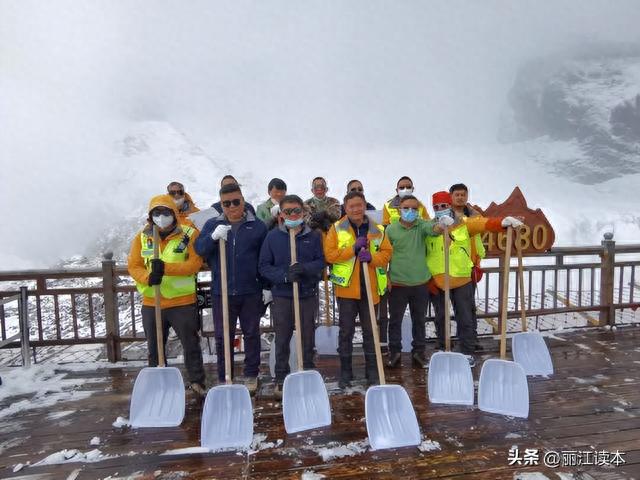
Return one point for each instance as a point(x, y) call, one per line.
point(270, 209)
point(408, 275)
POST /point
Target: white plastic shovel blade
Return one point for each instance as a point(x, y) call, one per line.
point(391, 419)
point(450, 379)
point(327, 340)
point(407, 334)
point(227, 418)
point(503, 388)
point(530, 351)
point(158, 398)
point(305, 401)
point(293, 359)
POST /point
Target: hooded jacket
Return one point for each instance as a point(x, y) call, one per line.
point(136, 263)
point(275, 258)
point(243, 249)
point(188, 207)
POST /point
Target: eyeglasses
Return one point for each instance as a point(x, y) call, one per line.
point(176, 192)
point(235, 202)
point(441, 206)
point(319, 186)
point(292, 211)
point(356, 189)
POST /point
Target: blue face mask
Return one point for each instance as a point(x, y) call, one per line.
point(292, 223)
point(443, 213)
point(408, 214)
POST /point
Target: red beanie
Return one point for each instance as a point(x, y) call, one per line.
point(441, 197)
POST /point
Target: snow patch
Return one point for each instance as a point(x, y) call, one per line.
point(58, 415)
point(530, 476)
point(95, 441)
point(513, 435)
point(73, 455)
point(121, 422)
point(18, 467)
point(186, 451)
point(429, 446)
point(565, 476)
point(310, 475)
point(337, 450)
point(594, 389)
point(582, 346)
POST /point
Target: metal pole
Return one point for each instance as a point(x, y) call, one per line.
point(607, 272)
point(23, 315)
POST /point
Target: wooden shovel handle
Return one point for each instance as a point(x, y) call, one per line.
point(505, 294)
point(225, 311)
point(296, 301)
point(327, 299)
point(447, 291)
point(157, 296)
point(523, 307)
point(374, 322)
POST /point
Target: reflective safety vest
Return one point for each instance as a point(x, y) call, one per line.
point(175, 251)
point(394, 213)
point(477, 247)
point(341, 272)
point(460, 263)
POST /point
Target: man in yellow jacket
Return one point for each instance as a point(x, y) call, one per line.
point(175, 271)
point(460, 266)
point(352, 241)
point(391, 209)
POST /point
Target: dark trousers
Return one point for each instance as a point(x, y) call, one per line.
point(463, 304)
point(184, 322)
point(284, 324)
point(247, 308)
point(416, 297)
point(349, 309)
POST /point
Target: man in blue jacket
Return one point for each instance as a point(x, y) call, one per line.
point(275, 266)
point(244, 234)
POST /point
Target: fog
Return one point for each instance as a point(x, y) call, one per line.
point(365, 89)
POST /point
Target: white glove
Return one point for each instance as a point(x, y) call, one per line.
point(445, 221)
point(511, 222)
point(267, 297)
point(275, 210)
point(220, 232)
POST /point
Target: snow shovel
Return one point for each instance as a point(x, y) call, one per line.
point(293, 358)
point(327, 334)
point(158, 398)
point(503, 384)
point(449, 379)
point(529, 348)
point(227, 418)
point(391, 419)
point(305, 401)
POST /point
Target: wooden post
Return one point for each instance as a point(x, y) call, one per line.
point(23, 309)
point(114, 351)
point(607, 271)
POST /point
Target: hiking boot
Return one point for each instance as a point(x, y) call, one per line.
point(199, 389)
point(277, 392)
point(479, 348)
point(252, 384)
point(394, 360)
point(472, 360)
point(418, 359)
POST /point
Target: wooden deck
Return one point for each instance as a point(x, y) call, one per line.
point(591, 403)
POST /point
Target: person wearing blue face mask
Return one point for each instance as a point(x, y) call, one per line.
point(409, 274)
point(275, 266)
point(391, 209)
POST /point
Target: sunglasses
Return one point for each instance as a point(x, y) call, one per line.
point(176, 192)
point(161, 211)
point(441, 206)
point(235, 202)
point(356, 189)
point(292, 211)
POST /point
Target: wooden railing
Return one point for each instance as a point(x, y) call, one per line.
point(102, 306)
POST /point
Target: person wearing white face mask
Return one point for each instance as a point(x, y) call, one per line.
point(183, 201)
point(391, 209)
point(175, 271)
point(461, 232)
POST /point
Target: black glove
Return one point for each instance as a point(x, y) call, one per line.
point(155, 278)
point(320, 221)
point(296, 271)
point(157, 266)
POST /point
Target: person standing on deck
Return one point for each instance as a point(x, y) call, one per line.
point(320, 202)
point(175, 271)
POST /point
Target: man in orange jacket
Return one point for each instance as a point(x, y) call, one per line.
point(351, 241)
point(175, 271)
point(184, 203)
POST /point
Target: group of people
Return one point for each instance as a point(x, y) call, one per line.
point(404, 255)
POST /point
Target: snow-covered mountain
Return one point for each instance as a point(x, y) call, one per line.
point(579, 115)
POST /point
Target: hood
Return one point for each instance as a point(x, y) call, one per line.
point(163, 201)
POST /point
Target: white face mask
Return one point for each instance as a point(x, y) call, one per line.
point(163, 221)
point(403, 192)
point(178, 201)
